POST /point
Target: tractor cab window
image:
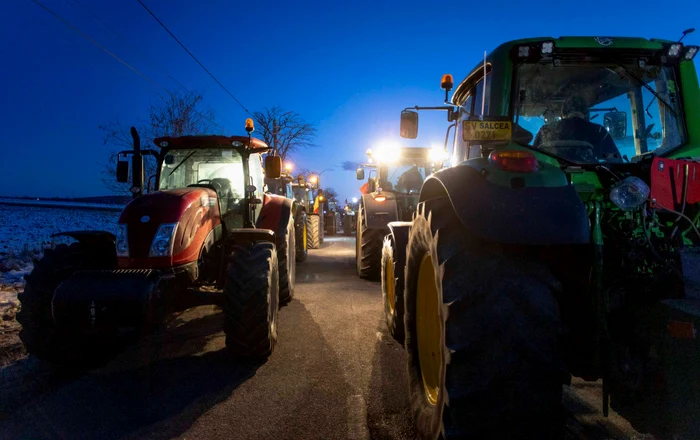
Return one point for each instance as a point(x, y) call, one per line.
point(220, 168)
point(599, 112)
point(405, 178)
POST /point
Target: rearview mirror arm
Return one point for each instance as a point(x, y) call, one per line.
point(452, 112)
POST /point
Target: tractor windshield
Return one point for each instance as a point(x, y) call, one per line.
point(185, 167)
point(599, 112)
point(404, 178)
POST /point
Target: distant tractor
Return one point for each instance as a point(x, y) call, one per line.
point(331, 218)
point(310, 198)
point(207, 224)
point(283, 186)
point(391, 195)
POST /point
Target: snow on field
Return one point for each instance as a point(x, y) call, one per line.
point(26, 230)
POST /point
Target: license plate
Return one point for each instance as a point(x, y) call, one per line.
point(486, 130)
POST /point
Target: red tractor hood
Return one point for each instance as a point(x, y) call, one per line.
point(196, 212)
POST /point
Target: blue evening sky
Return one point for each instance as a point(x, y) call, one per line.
point(347, 67)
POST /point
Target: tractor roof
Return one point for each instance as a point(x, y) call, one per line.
point(584, 44)
point(211, 142)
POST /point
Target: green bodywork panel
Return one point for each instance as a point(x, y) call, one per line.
point(691, 106)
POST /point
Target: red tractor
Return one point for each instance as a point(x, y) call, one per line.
point(208, 224)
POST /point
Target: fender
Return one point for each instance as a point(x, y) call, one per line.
point(529, 215)
point(275, 214)
point(249, 235)
point(398, 234)
point(379, 214)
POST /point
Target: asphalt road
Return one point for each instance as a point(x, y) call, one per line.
point(335, 374)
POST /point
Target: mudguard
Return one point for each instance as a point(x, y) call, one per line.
point(379, 214)
point(528, 215)
point(398, 233)
point(250, 235)
point(275, 214)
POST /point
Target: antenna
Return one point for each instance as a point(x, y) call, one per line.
point(686, 32)
point(483, 90)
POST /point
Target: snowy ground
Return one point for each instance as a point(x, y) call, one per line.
point(24, 232)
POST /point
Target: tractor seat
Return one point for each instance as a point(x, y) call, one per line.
point(223, 190)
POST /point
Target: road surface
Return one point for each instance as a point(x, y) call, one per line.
point(335, 374)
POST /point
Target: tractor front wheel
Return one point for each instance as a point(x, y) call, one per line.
point(482, 336)
point(286, 250)
point(313, 226)
point(301, 237)
point(368, 248)
point(39, 334)
point(251, 300)
point(392, 291)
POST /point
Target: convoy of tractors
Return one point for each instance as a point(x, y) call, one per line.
point(554, 237)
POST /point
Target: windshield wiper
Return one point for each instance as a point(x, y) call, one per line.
point(183, 161)
point(645, 85)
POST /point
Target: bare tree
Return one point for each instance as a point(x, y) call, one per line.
point(286, 131)
point(331, 194)
point(173, 114)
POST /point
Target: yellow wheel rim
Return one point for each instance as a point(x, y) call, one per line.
point(304, 235)
point(390, 284)
point(428, 330)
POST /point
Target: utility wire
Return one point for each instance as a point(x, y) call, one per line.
point(192, 55)
point(87, 37)
point(155, 63)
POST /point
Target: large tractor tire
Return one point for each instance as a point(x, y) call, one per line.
point(331, 227)
point(287, 263)
point(368, 248)
point(392, 291)
point(39, 334)
point(301, 237)
point(348, 221)
point(482, 336)
point(251, 300)
point(313, 226)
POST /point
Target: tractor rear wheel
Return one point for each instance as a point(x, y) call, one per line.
point(482, 336)
point(39, 334)
point(286, 250)
point(301, 236)
point(368, 248)
point(348, 221)
point(313, 225)
point(392, 291)
point(331, 228)
point(251, 299)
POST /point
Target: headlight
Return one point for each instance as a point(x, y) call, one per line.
point(122, 242)
point(162, 245)
point(629, 194)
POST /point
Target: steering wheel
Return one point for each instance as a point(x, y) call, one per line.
point(204, 181)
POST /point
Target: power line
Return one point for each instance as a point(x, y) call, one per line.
point(87, 37)
point(193, 57)
point(155, 63)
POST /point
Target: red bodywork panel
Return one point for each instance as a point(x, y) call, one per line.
point(667, 176)
point(196, 212)
point(271, 213)
point(256, 145)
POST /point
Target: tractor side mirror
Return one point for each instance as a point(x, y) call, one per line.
point(360, 173)
point(122, 171)
point(409, 124)
point(616, 124)
point(273, 167)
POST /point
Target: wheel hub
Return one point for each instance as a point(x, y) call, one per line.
point(428, 330)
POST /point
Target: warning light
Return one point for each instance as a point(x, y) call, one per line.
point(447, 82)
point(288, 166)
point(380, 199)
point(249, 125)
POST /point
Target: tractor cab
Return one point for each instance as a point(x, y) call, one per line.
point(229, 167)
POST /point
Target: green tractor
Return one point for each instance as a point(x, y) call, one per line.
point(559, 243)
point(310, 199)
point(389, 195)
